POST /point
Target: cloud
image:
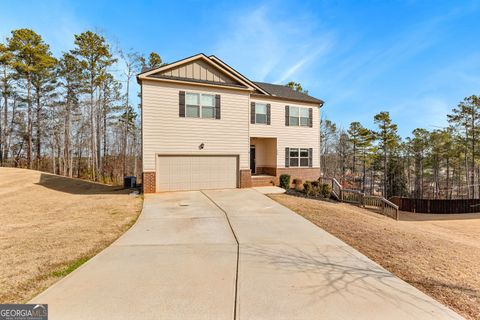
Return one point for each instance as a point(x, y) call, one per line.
point(269, 45)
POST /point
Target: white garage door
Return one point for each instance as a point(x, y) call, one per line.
point(176, 173)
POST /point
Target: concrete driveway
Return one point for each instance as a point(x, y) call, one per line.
point(232, 254)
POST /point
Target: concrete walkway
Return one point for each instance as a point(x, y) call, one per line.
point(226, 254)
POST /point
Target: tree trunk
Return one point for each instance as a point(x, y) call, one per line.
point(364, 169)
point(472, 172)
point(67, 155)
point(29, 123)
point(38, 120)
point(447, 193)
point(385, 172)
point(93, 153)
point(4, 125)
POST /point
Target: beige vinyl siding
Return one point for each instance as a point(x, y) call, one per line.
point(199, 70)
point(289, 136)
point(164, 132)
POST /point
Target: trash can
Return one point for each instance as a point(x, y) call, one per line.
point(129, 182)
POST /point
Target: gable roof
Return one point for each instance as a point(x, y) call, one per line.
point(214, 72)
point(281, 91)
point(198, 69)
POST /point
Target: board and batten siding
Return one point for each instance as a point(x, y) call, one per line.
point(199, 70)
point(289, 136)
point(164, 132)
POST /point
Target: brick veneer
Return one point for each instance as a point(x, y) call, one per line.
point(301, 173)
point(245, 178)
point(149, 184)
point(271, 171)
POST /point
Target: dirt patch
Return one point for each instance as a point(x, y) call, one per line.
point(440, 256)
point(49, 224)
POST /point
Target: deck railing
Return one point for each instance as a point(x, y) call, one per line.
point(379, 204)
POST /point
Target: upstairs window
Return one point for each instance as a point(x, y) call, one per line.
point(192, 105)
point(260, 113)
point(200, 105)
point(208, 106)
point(299, 117)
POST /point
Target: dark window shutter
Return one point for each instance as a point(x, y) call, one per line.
point(252, 112)
point(181, 104)
point(287, 115)
point(310, 117)
point(310, 154)
point(268, 113)
point(287, 157)
point(217, 106)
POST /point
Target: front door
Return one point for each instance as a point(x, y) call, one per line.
point(252, 159)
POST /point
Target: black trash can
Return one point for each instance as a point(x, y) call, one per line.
point(129, 182)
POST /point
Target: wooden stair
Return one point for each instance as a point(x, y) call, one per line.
point(263, 181)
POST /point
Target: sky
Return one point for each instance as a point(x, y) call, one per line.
point(414, 59)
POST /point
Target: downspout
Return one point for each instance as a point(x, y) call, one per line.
point(320, 137)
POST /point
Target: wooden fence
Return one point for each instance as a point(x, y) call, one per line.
point(437, 206)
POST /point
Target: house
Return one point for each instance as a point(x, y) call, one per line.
point(206, 126)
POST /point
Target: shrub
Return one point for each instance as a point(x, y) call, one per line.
point(310, 189)
point(285, 181)
point(316, 184)
point(325, 190)
point(298, 184)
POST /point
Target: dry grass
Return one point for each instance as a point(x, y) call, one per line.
point(439, 256)
point(51, 224)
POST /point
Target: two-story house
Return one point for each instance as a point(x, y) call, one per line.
point(206, 126)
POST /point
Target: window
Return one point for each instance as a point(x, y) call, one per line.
point(299, 116)
point(304, 158)
point(293, 157)
point(208, 106)
point(200, 105)
point(260, 113)
point(299, 157)
point(192, 105)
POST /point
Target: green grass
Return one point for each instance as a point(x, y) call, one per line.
point(70, 268)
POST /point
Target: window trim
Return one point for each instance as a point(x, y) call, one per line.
point(200, 106)
point(299, 117)
point(299, 157)
point(265, 114)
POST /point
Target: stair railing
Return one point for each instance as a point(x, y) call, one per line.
point(387, 208)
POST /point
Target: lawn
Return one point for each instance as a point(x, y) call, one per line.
point(50, 225)
point(435, 253)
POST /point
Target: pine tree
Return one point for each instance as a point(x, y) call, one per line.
point(354, 137)
point(154, 61)
point(418, 147)
point(29, 52)
point(388, 140)
point(466, 118)
point(364, 144)
point(133, 62)
point(44, 81)
point(5, 80)
point(93, 52)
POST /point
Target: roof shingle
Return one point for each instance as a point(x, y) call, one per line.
point(285, 92)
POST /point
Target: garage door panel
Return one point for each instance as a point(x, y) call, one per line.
point(176, 173)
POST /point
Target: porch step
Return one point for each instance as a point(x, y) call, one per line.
point(263, 181)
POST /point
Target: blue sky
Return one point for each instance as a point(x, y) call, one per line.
point(415, 59)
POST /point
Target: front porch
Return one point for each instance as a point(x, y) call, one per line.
point(263, 161)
